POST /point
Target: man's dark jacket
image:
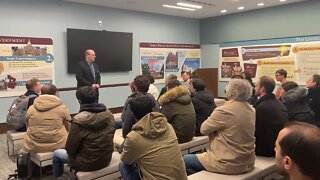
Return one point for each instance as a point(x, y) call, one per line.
point(30, 102)
point(84, 75)
point(295, 101)
point(127, 116)
point(90, 140)
point(203, 102)
point(271, 115)
point(314, 101)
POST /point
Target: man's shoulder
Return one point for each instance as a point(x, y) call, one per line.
point(270, 106)
point(31, 92)
point(63, 108)
point(266, 102)
point(134, 137)
point(82, 62)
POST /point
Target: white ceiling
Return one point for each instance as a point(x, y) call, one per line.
point(210, 7)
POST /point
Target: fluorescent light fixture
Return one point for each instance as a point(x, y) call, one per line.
point(178, 7)
point(260, 4)
point(283, 0)
point(189, 5)
point(223, 11)
point(241, 7)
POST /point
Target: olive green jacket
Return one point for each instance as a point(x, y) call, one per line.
point(153, 145)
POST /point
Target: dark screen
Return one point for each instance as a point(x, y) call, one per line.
point(113, 49)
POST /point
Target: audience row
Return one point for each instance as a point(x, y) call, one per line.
point(237, 131)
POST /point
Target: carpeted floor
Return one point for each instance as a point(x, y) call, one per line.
point(8, 165)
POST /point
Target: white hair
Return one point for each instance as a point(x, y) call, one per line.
point(239, 90)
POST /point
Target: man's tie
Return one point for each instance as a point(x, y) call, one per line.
point(92, 71)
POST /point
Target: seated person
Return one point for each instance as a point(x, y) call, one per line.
point(271, 115)
point(178, 109)
point(169, 77)
point(281, 76)
point(151, 147)
point(247, 76)
point(313, 85)
point(153, 90)
point(297, 151)
point(133, 89)
point(33, 89)
point(140, 84)
point(47, 122)
point(231, 133)
point(90, 142)
point(295, 100)
point(186, 76)
point(203, 102)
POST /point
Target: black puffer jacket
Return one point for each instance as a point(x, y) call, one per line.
point(295, 101)
point(90, 141)
point(203, 102)
point(314, 101)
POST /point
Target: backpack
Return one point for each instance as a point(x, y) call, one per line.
point(23, 167)
point(16, 116)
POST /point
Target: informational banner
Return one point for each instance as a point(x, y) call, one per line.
point(160, 59)
point(24, 58)
point(299, 56)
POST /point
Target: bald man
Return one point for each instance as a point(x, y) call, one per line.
point(298, 151)
point(87, 72)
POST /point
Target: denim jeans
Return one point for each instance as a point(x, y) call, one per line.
point(118, 124)
point(129, 171)
point(192, 163)
point(60, 157)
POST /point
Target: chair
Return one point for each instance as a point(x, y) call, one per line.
point(110, 172)
point(14, 138)
point(42, 159)
point(263, 167)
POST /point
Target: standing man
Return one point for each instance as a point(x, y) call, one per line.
point(87, 72)
point(271, 115)
point(281, 76)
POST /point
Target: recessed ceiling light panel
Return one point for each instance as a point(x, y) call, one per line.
point(223, 11)
point(189, 5)
point(260, 4)
point(241, 8)
point(178, 7)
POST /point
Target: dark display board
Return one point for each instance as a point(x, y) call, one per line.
point(113, 49)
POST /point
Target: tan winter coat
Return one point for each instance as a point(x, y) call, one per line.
point(231, 132)
point(178, 109)
point(153, 144)
point(46, 125)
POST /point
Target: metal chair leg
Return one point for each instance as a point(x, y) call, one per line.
point(8, 146)
point(40, 169)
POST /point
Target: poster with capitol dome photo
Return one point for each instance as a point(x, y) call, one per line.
point(24, 58)
point(161, 59)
